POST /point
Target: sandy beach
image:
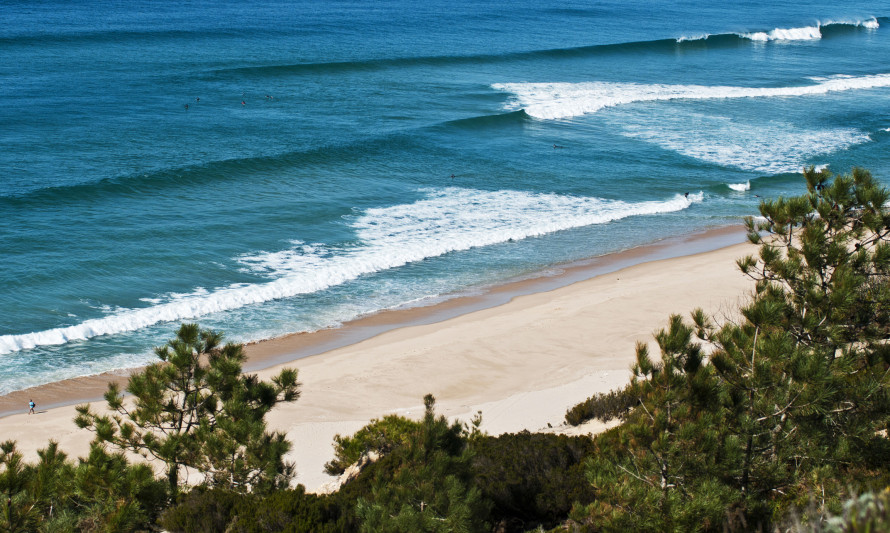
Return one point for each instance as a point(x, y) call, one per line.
point(522, 353)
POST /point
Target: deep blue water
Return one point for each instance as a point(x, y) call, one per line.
point(309, 179)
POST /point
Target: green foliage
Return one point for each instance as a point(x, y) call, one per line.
point(422, 483)
point(380, 435)
point(428, 483)
point(790, 402)
point(532, 479)
point(100, 493)
point(602, 406)
point(651, 473)
point(195, 409)
point(294, 511)
point(202, 511)
point(286, 511)
point(529, 479)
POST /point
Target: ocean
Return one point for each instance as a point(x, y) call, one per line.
point(265, 168)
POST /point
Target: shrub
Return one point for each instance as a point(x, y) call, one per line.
point(605, 407)
point(201, 510)
point(533, 479)
point(380, 435)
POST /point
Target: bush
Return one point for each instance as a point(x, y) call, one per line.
point(380, 435)
point(430, 487)
point(201, 510)
point(291, 511)
point(102, 492)
point(604, 407)
point(533, 479)
point(286, 511)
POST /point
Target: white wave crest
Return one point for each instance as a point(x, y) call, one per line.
point(447, 220)
point(699, 37)
point(806, 33)
point(740, 187)
point(809, 33)
point(551, 101)
point(869, 24)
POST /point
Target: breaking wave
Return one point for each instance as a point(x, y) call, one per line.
point(804, 33)
point(563, 100)
point(447, 220)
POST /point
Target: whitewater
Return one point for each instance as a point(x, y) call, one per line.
point(390, 237)
point(551, 101)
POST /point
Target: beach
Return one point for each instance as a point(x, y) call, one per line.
point(522, 354)
point(355, 176)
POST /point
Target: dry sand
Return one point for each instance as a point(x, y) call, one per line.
point(522, 363)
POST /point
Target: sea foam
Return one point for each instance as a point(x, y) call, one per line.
point(446, 220)
point(740, 187)
point(805, 33)
point(809, 33)
point(771, 147)
point(561, 100)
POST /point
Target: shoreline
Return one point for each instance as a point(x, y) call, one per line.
point(558, 339)
point(264, 354)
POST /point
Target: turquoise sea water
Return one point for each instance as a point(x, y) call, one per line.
point(309, 179)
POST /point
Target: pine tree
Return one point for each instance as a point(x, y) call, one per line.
point(195, 409)
point(100, 493)
point(426, 483)
point(791, 400)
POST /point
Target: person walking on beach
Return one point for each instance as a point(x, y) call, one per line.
point(31, 406)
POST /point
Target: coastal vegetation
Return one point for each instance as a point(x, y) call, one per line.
point(771, 417)
point(195, 409)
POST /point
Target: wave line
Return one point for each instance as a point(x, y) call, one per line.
point(561, 100)
point(447, 220)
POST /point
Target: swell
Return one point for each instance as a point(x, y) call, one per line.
point(112, 37)
point(195, 176)
point(818, 30)
point(658, 46)
point(158, 182)
point(499, 120)
point(340, 67)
